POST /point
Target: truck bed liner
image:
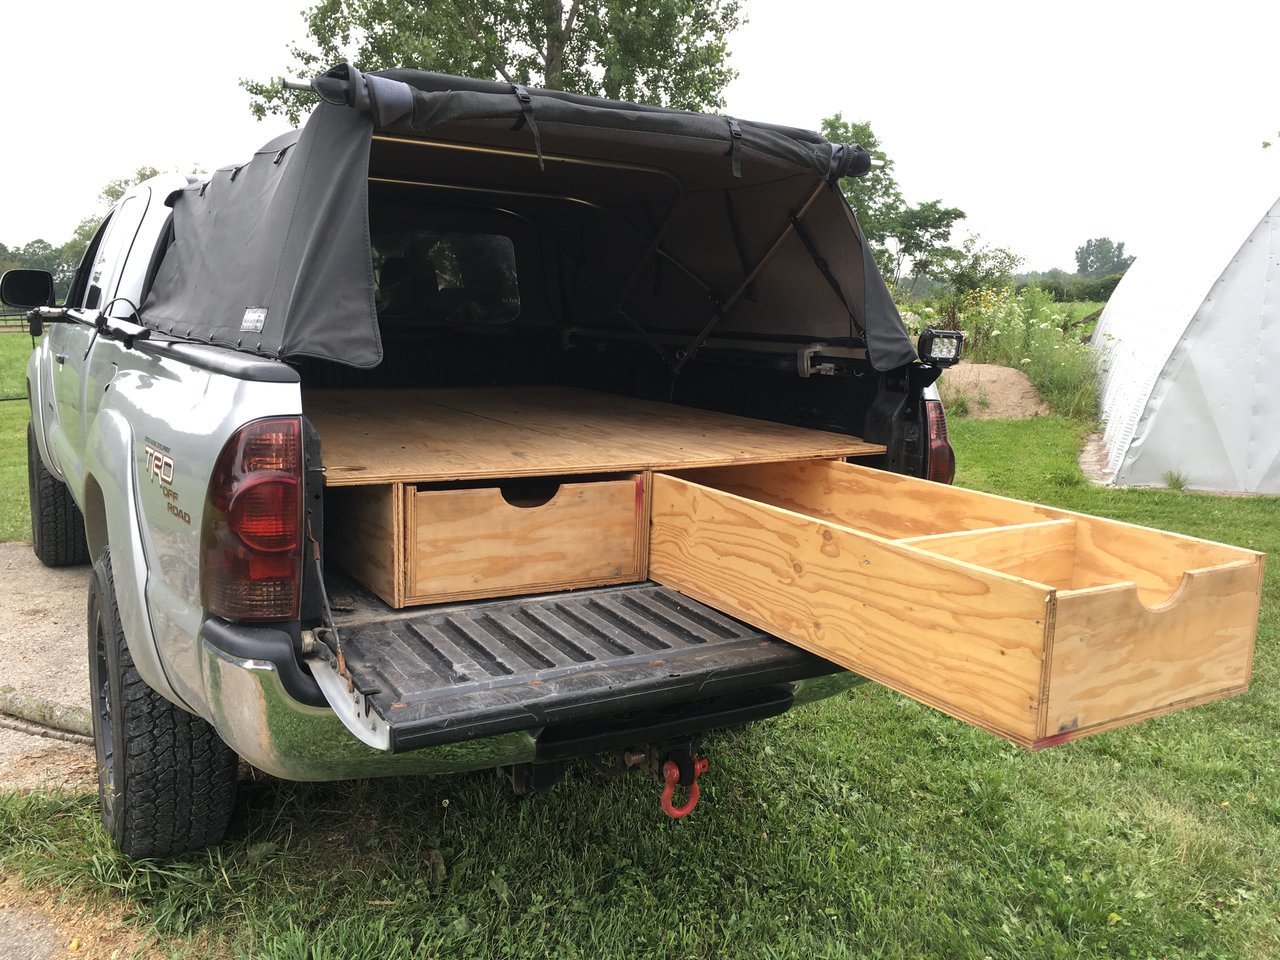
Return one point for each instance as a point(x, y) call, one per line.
point(469, 670)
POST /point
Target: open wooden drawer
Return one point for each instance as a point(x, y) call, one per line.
point(1036, 624)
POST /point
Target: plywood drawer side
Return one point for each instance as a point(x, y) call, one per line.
point(472, 543)
point(965, 640)
point(363, 536)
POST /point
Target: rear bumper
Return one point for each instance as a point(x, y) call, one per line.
point(266, 709)
point(276, 732)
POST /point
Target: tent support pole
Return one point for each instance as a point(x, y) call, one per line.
point(722, 309)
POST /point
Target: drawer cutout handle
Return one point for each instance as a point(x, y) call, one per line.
point(528, 494)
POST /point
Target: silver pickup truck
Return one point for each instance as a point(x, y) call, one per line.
point(356, 436)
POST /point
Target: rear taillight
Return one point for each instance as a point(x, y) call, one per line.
point(251, 541)
point(942, 459)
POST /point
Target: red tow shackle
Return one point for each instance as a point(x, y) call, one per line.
point(671, 779)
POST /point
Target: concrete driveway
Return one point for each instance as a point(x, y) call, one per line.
point(44, 674)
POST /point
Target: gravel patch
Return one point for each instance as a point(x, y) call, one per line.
point(29, 762)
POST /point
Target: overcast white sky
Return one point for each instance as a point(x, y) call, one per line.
point(1047, 122)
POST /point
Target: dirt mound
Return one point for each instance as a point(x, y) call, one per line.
point(987, 391)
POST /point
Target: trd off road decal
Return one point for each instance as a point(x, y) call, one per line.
point(158, 466)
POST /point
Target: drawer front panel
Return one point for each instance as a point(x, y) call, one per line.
point(470, 543)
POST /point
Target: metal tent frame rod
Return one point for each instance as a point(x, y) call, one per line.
point(510, 152)
point(587, 275)
point(722, 309)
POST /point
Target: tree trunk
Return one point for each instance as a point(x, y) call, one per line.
point(557, 39)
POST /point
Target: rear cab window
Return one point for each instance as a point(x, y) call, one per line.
point(440, 279)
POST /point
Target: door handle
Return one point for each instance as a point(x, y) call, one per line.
point(61, 358)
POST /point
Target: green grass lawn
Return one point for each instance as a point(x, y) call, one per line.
point(14, 350)
point(14, 520)
point(863, 826)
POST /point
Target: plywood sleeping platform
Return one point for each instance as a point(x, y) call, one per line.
point(460, 494)
point(385, 436)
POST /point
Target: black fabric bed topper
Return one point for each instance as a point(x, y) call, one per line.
point(273, 256)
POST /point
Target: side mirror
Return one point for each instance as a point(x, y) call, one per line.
point(27, 288)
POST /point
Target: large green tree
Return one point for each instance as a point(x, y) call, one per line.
point(875, 198)
point(9, 259)
point(669, 52)
point(1100, 257)
point(921, 234)
point(72, 252)
point(904, 237)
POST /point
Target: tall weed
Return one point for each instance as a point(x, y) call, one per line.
point(1032, 333)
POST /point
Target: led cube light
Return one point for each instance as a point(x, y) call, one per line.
point(940, 347)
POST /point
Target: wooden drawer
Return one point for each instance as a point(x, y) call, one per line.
point(1037, 624)
point(418, 544)
point(495, 541)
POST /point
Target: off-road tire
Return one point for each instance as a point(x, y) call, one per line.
point(57, 525)
point(166, 781)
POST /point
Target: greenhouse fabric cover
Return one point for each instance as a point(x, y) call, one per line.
point(273, 257)
point(1189, 344)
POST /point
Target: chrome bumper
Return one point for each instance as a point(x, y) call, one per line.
point(261, 714)
point(264, 724)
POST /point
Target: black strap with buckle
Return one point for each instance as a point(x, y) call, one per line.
point(526, 108)
point(735, 146)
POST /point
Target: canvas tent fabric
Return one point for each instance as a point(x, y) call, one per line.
point(273, 256)
point(1189, 344)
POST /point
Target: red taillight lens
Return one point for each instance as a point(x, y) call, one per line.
point(271, 446)
point(264, 514)
point(942, 459)
point(251, 543)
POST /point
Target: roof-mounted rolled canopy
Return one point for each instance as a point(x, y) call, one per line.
point(273, 256)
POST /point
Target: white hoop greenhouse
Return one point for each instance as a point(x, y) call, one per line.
point(1189, 346)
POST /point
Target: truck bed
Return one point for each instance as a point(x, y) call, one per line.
point(610, 666)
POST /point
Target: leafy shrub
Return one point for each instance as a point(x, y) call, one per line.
point(1030, 332)
point(1071, 287)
